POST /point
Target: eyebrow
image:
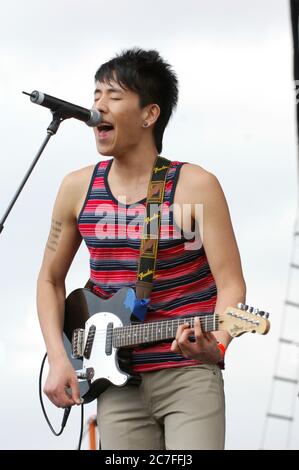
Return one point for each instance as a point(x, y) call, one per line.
point(110, 90)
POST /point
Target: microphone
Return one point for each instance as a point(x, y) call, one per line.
point(91, 117)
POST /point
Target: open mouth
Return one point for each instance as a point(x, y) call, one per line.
point(104, 128)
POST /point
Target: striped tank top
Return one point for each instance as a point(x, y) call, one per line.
point(183, 284)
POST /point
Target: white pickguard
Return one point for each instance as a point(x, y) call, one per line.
point(105, 366)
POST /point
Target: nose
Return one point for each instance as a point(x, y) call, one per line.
point(101, 104)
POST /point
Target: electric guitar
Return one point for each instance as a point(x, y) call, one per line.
point(99, 334)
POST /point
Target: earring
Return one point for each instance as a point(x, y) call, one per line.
point(145, 124)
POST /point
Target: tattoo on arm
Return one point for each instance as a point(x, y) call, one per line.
point(55, 232)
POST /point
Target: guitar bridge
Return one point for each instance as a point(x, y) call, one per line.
point(78, 343)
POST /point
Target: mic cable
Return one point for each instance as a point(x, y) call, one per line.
point(66, 411)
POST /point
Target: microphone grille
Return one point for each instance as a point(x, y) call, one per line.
point(95, 118)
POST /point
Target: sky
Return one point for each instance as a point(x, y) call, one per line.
point(235, 118)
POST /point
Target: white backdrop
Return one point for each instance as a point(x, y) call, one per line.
point(236, 118)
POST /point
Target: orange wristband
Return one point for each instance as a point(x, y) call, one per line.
point(222, 349)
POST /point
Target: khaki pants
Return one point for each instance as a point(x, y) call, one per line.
point(178, 408)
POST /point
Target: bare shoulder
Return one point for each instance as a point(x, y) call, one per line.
point(78, 178)
point(73, 189)
point(197, 183)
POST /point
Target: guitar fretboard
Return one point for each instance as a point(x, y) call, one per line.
point(143, 333)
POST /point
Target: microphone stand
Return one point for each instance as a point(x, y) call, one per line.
point(51, 130)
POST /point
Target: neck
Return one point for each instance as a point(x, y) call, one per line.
point(135, 164)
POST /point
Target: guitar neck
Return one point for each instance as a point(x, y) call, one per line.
point(143, 333)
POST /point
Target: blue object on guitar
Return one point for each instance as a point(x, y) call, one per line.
point(140, 308)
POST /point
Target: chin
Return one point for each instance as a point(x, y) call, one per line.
point(105, 152)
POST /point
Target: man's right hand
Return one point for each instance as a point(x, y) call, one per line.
point(61, 386)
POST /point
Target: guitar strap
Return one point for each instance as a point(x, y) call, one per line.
point(151, 228)
point(150, 237)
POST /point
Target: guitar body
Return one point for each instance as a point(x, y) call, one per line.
point(99, 335)
point(85, 310)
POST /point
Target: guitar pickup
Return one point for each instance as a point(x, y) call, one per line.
point(89, 341)
point(108, 344)
point(78, 343)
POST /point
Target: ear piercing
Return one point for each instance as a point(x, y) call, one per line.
point(145, 124)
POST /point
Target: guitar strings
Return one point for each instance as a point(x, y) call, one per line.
point(138, 329)
point(209, 321)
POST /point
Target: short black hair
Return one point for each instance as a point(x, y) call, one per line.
point(148, 75)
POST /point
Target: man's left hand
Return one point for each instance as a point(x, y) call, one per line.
point(204, 348)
